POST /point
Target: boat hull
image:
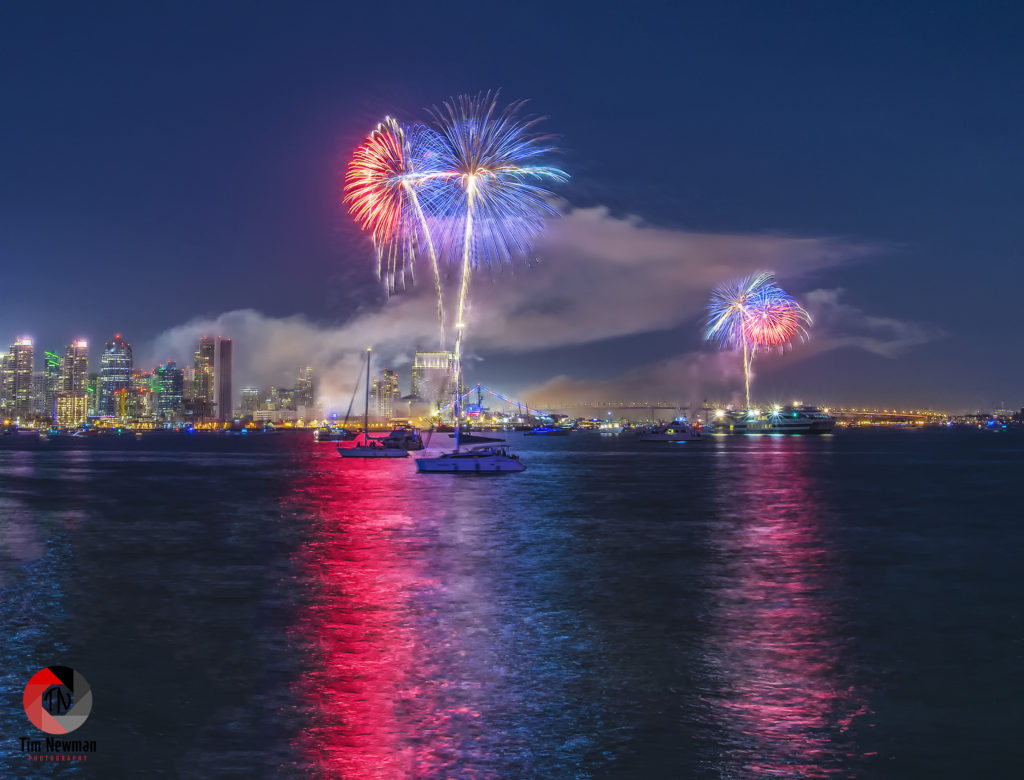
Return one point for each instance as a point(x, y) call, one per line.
point(475, 466)
point(759, 427)
point(371, 452)
point(816, 427)
point(669, 437)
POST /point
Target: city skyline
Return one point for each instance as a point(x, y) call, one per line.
point(864, 174)
point(405, 378)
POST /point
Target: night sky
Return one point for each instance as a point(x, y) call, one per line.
point(164, 165)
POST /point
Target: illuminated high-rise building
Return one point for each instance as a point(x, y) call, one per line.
point(280, 398)
point(203, 390)
point(51, 383)
point(222, 376)
point(16, 381)
point(38, 393)
point(141, 396)
point(115, 378)
point(432, 377)
point(250, 402)
point(5, 385)
point(73, 398)
point(168, 391)
point(304, 387)
point(385, 393)
point(93, 395)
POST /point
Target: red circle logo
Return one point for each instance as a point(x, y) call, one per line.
point(57, 699)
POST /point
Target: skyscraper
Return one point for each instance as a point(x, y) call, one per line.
point(203, 396)
point(250, 402)
point(51, 384)
point(6, 383)
point(72, 401)
point(92, 394)
point(304, 387)
point(141, 396)
point(168, 388)
point(38, 393)
point(385, 392)
point(115, 377)
point(223, 380)
point(432, 379)
point(20, 382)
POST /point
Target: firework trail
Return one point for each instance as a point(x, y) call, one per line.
point(485, 196)
point(754, 314)
point(381, 186)
point(468, 190)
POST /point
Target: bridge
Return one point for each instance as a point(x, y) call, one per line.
point(522, 407)
point(865, 416)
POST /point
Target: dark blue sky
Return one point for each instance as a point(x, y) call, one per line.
point(163, 164)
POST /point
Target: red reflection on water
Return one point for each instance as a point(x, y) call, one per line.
point(777, 647)
point(381, 692)
point(361, 582)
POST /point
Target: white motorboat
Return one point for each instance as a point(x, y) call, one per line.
point(482, 459)
point(610, 427)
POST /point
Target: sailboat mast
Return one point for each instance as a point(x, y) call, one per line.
point(455, 406)
point(366, 408)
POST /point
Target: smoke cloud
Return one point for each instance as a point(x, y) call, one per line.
point(592, 277)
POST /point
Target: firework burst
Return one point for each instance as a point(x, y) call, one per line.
point(485, 196)
point(754, 314)
point(381, 186)
point(468, 190)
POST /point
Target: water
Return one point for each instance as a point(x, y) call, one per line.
point(835, 606)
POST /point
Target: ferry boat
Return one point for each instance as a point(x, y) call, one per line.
point(610, 427)
point(777, 419)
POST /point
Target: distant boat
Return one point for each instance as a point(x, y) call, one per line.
point(547, 430)
point(370, 448)
point(334, 434)
point(475, 438)
point(481, 460)
point(677, 430)
point(404, 438)
point(610, 427)
point(446, 434)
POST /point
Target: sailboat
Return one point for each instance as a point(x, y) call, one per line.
point(370, 448)
point(481, 459)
